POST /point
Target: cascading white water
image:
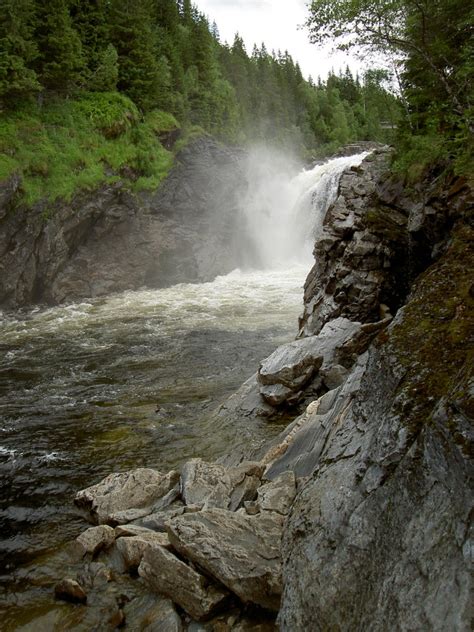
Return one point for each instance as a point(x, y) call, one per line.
point(284, 211)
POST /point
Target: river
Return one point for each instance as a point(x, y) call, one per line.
point(132, 379)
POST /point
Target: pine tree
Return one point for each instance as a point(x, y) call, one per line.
point(132, 34)
point(105, 77)
point(17, 50)
point(60, 64)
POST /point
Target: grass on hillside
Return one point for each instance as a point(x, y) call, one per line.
point(66, 146)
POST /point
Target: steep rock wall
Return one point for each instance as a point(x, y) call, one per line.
point(110, 240)
point(380, 537)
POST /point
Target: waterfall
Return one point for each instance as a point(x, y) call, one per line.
point(284, 210)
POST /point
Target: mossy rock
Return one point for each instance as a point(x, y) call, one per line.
point(434, 338)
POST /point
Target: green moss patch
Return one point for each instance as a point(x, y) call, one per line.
point(434, 341)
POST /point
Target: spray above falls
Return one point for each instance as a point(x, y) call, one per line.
point(284, 209)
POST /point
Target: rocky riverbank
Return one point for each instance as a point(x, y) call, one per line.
point(358, 515)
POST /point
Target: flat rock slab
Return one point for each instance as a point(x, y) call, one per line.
point(205, 484)
point(136, 489)
point(242, 552)
point(164, 573)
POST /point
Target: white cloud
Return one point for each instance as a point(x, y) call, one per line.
point(277, 23)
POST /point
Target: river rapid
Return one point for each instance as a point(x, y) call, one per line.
point(132, 379)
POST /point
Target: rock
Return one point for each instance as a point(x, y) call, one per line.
point(70, 590)
point(381, 532)
point(150, 613)
point(244, 479)
point(291, 365)
point(278, 494)
point(242, 552)
point(95, 539)
point(205, 484)
point(275, 394)
point(334, 376)
point(137, 489)
point(164, 573)
point(157, 521)
point(133, 548)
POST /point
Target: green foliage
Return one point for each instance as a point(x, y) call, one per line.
point(17, 50)
point(61, 148)
point(432, 40)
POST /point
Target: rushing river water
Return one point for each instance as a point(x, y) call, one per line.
point(132, 380)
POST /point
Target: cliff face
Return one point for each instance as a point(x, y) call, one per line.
point(379, 537)
point(109, 240)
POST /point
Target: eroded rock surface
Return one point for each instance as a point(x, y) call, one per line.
point(242, 552)
point(137, 489)
point(171, 577)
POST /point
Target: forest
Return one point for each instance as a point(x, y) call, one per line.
point(87, 87)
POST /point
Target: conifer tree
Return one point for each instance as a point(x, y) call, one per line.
point(17, 50)
point(60, 64)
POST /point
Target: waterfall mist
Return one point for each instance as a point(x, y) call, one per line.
point(284, 206)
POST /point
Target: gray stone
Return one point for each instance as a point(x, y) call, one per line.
point(70, 590)
point(278, 494)
point(95, 539)
point(137, 489)
point(157, 521)
point(164, 573)
point(205, 484)
point(242, 552)
point(291, 365)
point(133, 548)
point(334, 376)
point(275, 394)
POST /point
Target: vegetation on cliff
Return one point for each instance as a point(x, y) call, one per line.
point(430, 46)
point(65, 61)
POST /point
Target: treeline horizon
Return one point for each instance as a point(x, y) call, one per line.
point(164, 55)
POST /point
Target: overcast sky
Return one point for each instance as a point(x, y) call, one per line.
point(276, 23)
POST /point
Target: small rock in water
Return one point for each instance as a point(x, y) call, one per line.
point(70, 590)
point(95, 539)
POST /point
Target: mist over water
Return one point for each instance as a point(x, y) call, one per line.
point(132, 379)
point(284, 206)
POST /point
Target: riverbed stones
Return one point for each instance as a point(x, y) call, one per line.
point(205, 484)
point(95, 539)
point(241, 552)
point(164, 573)
point(136, 489)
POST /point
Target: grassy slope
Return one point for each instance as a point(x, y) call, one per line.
point(66, 146)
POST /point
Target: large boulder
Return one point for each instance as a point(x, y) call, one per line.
point(137, 489)
point(241, 552)
point(164, 573)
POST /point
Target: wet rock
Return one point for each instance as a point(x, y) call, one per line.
point(164, 573)
point(278, 494)
point(150, 613)
point(133, 548)
point(205, 484)
point(137, 489)
point(242, 552)
point(70, 590)
point(95, 539)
